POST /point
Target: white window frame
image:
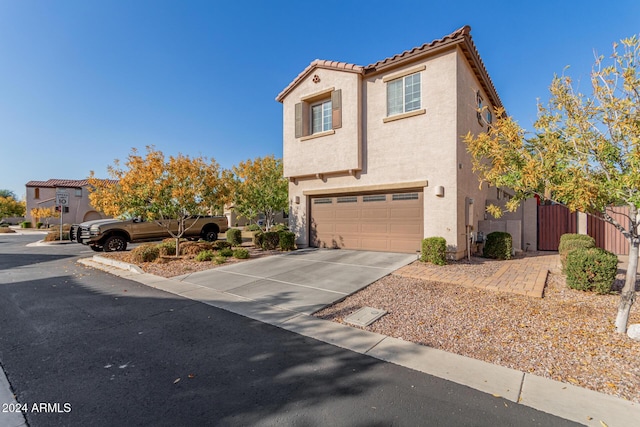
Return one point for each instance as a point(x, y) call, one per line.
point(404, 88)
point(326, 122)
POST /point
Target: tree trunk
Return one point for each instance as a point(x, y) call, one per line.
point(177, 247)
point(628, 293)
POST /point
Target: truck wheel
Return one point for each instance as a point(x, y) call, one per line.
point(115, 243)
point(210, 236)
point(96, 248)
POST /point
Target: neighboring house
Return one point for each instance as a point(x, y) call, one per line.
point(375, 155)
point(42, 194)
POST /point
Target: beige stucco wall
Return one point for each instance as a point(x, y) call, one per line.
point(338, 151)
point(417, 148)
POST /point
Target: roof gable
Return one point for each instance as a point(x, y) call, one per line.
point(460, 37)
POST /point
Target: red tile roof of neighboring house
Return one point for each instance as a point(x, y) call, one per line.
point(460, 37)
point(65, 183)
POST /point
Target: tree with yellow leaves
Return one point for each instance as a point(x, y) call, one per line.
point(584, 154)
point(39, 213)
point(159, 190)
point(260, 187)
point(9, 206)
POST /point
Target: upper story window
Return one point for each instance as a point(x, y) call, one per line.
point(78, 192)
point(318, 114)
point(483, 113)
point(479, 106)
point(36, 193)
point(404, 94)
point(321, 117)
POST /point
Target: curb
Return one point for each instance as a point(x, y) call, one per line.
point(564, 400)
point(9, 418)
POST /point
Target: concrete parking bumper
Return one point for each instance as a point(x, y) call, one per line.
point(285, 290)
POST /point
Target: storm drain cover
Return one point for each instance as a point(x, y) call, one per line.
point(365, 316)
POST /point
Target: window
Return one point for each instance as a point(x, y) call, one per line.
point(405, 196)
point(479, 102)
point(403, 95)
point(347, 199)
point(78, 192)
point(318, 113)
point(321, 117)
point(374, 198)
point(36, 193)
point(323, 201)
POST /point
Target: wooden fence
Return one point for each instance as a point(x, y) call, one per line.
point(556, 220)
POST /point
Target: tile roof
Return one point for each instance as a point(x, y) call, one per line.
point(461, 37)
point(319, 63)
point(65, 183)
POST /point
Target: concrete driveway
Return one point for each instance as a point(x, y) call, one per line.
point(303, 281)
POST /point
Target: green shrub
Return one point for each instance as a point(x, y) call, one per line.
point(253, 227)
point(225, 252)
point(434, 250)
point(39, 225)
point(221, 244)
point(219, 259)
point(25, 224)
point(241, 253)
point(145, 253)
point(234, 236)
point(498, 245)
point(287, 240)
point(270, 240)
point(258, 237)
point(4, 224)
point(570, 242)
point(279, 227)
point(167, 248)
point(206, 255)
point(591, 269)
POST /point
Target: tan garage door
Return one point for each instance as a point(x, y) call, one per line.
point(379, 222)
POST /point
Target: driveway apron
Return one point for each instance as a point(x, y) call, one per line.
point(303, 281)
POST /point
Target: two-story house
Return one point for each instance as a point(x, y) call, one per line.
point(42, 194)
point(375, 155)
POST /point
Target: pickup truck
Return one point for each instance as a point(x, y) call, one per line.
point(110, 235)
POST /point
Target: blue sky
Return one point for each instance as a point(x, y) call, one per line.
point(82, 82)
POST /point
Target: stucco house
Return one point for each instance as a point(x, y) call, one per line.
point(375, 155)
point(42, 194)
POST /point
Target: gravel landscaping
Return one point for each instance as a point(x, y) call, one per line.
point(568, 335)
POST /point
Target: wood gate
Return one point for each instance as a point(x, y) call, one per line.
point(553, 222)
point(556, 220)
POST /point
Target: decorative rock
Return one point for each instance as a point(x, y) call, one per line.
point(634, 331)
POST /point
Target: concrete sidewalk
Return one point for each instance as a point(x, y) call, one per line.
point(560, 399)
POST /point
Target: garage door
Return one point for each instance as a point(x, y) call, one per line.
point(379, 222)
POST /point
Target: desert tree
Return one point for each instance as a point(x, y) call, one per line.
point(166, 191)
point(584, 153)
point(260, 187)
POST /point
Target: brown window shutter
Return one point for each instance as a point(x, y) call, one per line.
point(298, 120)
point(336, 109)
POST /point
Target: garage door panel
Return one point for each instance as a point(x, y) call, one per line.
point(374, 244)
point(374, 212)
point(373, 228)
point(405, 213)
point(348, 214)
point(378, 222)
point(405, 229)
point(347, 228)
